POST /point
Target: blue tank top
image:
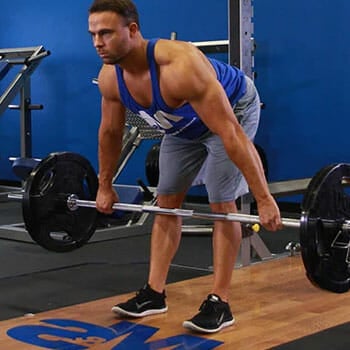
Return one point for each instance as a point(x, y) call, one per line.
point(183, 121)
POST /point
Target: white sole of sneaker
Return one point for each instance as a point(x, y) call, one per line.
point(193, 327)
point(117, 310)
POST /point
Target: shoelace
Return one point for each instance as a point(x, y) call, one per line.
point(208, 307)
point(141, 295)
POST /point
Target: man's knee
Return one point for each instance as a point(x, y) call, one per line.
point(224, 207)
point(170, 200)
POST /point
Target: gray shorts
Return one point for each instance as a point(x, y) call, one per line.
point(184, 163)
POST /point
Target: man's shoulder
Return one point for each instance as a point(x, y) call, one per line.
point(167, 51)
point(107, 81)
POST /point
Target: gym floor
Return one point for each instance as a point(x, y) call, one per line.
point(33, 280)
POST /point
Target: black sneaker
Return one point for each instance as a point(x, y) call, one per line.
point(146, 302)
point(214, 314)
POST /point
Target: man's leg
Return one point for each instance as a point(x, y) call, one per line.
point(179, 163)
point(214, 313)
point(166, 235)
point(227, 237)
point(165, 239)
point(224, 183)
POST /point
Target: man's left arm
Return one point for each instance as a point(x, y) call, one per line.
point(208, 98)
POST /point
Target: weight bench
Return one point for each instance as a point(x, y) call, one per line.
point(277, 189)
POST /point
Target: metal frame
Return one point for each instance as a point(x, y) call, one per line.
point(241, 40)
point(29, 58)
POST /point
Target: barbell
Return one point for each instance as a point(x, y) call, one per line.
point(60, 214)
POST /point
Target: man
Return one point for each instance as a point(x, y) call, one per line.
point(209, 112)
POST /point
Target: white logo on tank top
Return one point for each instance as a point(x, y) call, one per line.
point(160, 120)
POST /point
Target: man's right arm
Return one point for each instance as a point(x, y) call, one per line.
point(110, 137)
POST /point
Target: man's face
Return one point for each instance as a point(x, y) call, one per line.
point(110, 36)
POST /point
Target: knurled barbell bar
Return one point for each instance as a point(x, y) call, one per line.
point(60, 214)
point(73, 203)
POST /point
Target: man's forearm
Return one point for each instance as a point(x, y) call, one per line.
point(109, 149)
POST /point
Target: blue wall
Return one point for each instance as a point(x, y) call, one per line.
point(300, 60)
point(62, 82)
point(303, 77)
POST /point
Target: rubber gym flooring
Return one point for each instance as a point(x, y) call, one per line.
point(33, 280)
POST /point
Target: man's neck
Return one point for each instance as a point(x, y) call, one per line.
point(136, 60)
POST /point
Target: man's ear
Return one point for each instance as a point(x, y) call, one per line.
point(134, 28)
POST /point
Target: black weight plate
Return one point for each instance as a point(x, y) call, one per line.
point(47, 218)
point(324, 245)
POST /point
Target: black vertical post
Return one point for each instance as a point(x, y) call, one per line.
point(234, 35)
point(26, 120)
